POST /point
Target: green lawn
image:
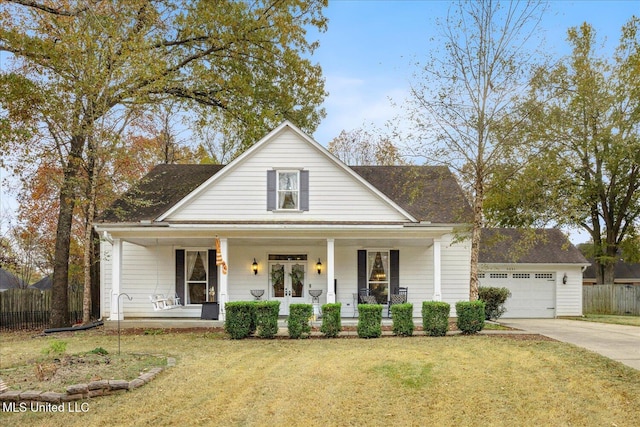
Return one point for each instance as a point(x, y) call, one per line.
point(607, 318)
point(447, 381)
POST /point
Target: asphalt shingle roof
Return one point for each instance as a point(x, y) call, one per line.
point(531, 246)
point(429, 193)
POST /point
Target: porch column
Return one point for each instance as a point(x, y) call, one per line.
point(437, 272)
point(331, 295)
point(222, 280)
point(116, 272)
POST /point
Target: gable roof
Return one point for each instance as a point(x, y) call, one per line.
point(622, 270)
point(535, 246)
point(429, 193)
point(283, 127)
point(9, 281)
point(163, 187)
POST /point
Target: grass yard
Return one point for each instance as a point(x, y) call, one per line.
point(455, 380)
point(610, 318)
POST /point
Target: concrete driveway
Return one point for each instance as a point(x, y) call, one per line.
point(617, 342)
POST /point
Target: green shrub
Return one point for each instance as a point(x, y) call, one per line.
point(298, 321)
point(55, 348)
point(99, 350)
point(402, 315)
point(494, 299)
point(267, 318)
point(240, 319)
point(470, 316)
point(331, 321)
point(435, 318)
point(369, 320)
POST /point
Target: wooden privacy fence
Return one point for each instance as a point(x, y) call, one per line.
point(611, 299)
point(29, 308)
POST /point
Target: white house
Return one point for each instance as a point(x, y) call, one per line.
point(541, 268)
point(289, 219)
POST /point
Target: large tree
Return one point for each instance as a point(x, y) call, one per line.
point(463, 98)
point(585, 114)
point(360, 147)
point(73, 62)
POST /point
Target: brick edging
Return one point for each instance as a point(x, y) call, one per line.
point(83, 391)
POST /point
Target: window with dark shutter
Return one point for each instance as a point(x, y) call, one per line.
point(288, 190)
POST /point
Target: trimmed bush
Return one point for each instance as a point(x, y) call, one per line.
point(470, 316)
point(331, 322)
point(240, 319)
point(298, 321)
point(494, 299)
point(369, 320)
point(267, 318)
point(402, 315)
point(435, 318)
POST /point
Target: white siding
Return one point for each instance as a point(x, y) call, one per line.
point(143, 276)
point(566, 299)
point(569, 295)
point(145, 271)
point(456, 271)
point(241, 194)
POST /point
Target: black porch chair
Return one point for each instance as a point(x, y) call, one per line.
point(399, 298)
point(365, 297)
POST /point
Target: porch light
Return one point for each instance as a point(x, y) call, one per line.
point(254, 266)
point(319, 266)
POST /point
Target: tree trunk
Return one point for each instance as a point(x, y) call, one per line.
point(88, 251)
point(88, 228)
point(475, 239)
point(59, 289)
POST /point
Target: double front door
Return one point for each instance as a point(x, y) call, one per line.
point(287, 283)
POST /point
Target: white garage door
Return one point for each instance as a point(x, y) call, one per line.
point(532, 294)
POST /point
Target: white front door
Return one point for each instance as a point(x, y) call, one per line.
point(287, 280)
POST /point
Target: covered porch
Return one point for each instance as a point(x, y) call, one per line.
point(284, 264)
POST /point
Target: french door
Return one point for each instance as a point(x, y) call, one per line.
point(287, 283)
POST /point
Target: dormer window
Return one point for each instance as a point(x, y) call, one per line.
point(288, 190)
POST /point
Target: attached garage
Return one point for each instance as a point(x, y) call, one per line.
point(533, 295)
point(542, 269)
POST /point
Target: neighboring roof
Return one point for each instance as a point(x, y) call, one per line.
point(623, 270)
point(534, 246)
point(43, 284)
point(160, 189)
point(8, 280)
point(429, 193)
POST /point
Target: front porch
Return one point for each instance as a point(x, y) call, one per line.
point(141, 266)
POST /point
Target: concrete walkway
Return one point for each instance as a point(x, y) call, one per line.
point(617, 342)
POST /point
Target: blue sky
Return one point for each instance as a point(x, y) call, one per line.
point(369, 48)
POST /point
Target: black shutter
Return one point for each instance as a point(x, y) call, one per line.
point(212, 274)
point(271, 190)
point(362, 269)
point(180, 275)
point(394, 279)
point(304, 190)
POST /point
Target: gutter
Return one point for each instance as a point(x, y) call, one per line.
point(75, 328)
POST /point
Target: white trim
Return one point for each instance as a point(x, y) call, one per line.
point(437, 271)
point(223, 283)
point(284, 125)
point(331, 295)
point(116, 270)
